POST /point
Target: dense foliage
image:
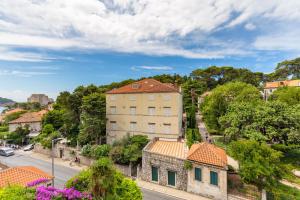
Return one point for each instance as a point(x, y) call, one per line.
point(289, 95)
point(105, 182)
point(17, 193)
point(192, 136)
point(217, 103)
point(259, 164)
point(272, 121)
point(128, 150)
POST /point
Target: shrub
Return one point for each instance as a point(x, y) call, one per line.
point(17, 193)
point(80, 182)
point(128, 189)
point(192, 136)
point(188, 165)
point(100, 151)
point(3, 128)
point(285, 148)
point(86, 150)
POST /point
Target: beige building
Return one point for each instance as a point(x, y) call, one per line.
point(40, 98)
point(31, 119)
point(164, 163)
point(147, 107)
point(270, 87)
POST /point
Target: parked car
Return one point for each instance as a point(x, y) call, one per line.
point(6, 151)
point(28, 147)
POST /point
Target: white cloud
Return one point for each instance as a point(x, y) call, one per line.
point(152, 27)
point(7, 54)
point(250, 26)
point(156, 68)
point(23, 73)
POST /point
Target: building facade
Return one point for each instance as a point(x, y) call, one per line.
point(147, 107)
point(270, 87)
point(164, 163)
point(40, 98)
point(32, 119)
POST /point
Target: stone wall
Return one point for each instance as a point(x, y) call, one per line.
point(164, 163)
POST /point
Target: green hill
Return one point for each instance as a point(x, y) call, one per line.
point(5, 101)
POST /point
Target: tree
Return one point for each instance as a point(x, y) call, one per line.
point(258, 163)
point(216, 104)
point(289, 95)
point(55, 118)
point(191, 89)
point(286, 69)
point(103, 179)
point(265, 121)
point(192, 136)
point(93, 118)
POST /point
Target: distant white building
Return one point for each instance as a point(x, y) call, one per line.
point(40, 98)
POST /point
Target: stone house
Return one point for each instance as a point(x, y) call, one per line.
point(146, 107)
point(31, 119)
point(42, 99)
point(165, 163)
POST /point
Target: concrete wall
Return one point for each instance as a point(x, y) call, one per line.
point(204, 187)
point(164, 163)
point(123, 117)
point(34, 126)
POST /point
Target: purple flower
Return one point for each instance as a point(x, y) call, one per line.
point(37, 182)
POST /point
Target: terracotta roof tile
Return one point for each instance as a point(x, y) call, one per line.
point(277, 84)
point(30, 117)
point(169, 148)
point(208, 154)
point(145, 86)
point(21, 175)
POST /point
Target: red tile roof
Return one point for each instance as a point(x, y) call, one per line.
point(208, 154)
point(30, 117)
point(145, 86)
point(21, 175)
point(276, 84)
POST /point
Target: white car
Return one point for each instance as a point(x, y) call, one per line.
point(6, 151)
point(28, 147)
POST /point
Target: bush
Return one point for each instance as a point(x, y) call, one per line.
point(80, 182)
point(17, 193)
point(100, 151)
point(87, 150)
point(3, 128)
point(128, 189)
point(192, 136)
point(285, 148)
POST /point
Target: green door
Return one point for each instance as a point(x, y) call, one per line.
point(171, 178)
point(154, 174)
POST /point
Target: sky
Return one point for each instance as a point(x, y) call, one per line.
point(49, 46)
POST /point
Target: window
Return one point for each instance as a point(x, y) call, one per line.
point(213, 178)
point(167, 111)
point(171, 178)
point(151, 110)
point(132, 110)
point(151, 97)
point(167, 128)
point(167, 97)
point(113, 125)
point(132, 98)
point(113, 97)
point(151, 127)
point(198, 174)
point(113, 109)
point(154, 174)
point(132, 126)
point(135, 86)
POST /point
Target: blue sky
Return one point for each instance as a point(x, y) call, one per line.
point(51, 46)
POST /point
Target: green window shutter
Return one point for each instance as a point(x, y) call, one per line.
point(213, 178)
point(198, 174)
point(154, 174)
point(171, 178)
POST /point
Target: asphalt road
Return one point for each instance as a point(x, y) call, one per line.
point(62, 173)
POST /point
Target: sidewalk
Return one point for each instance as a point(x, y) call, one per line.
point(57, 161)
point(169, 191)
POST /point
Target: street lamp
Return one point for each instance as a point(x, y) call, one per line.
point(52, 155)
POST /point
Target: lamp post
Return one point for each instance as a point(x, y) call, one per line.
point(52, 157)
